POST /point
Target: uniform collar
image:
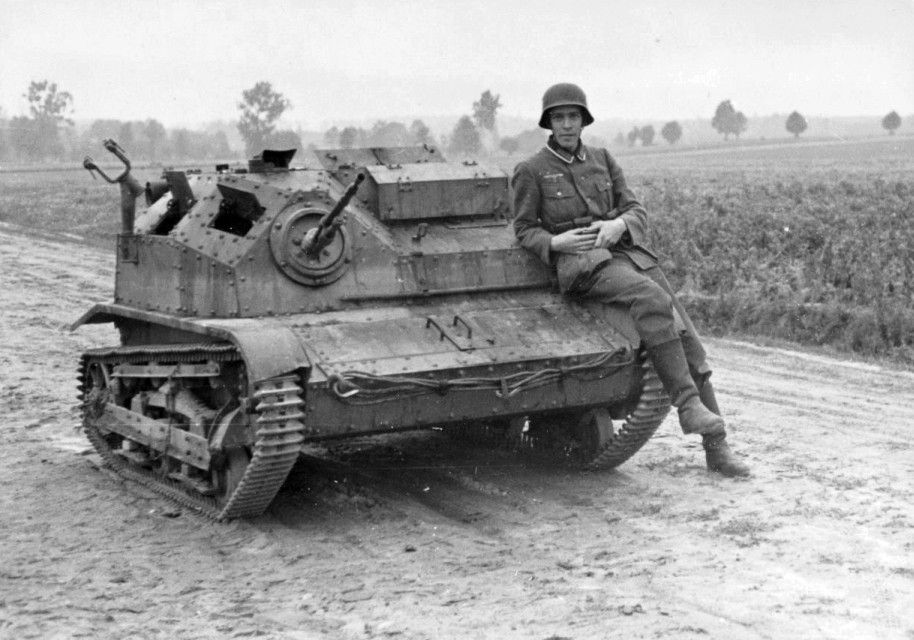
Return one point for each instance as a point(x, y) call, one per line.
point(553, 146)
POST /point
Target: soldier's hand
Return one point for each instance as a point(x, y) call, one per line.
point(608, 232)
point(574, 240)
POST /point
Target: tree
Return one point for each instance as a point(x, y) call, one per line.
point(465, 138)
point(4, 145)
point(104, 128)
point(389, 134)
point(647, 135)
point(724, 119)
point(99, 130)
point(22, 138)
point(728, 120)
point(420, 133)
point(891, 122)
point(332, 136)
point(633, 136)
point(671, 132)
point(509, 145)
point(125, 137)
point(348, 137)
point(485, 110)
point(796, 124)
point(48, 107)
point(741, 123)
point(529, 141)
point(181, 144)
point(619, 140)
point(260, 108)
point(155, 133)
point(220, 146)
point(285, 139)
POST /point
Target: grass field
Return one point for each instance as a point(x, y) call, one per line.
point(67, 201)
point(811, 242)
point(808, 242)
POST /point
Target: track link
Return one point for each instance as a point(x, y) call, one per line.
point(278, 438)
point(653, 406)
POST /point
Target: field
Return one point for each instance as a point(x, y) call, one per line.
point(65, 201)
point(811, 242)
point(422, 536)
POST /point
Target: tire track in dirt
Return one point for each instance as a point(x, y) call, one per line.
point(426, 537)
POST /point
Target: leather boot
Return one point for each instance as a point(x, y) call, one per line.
point(720, 458)
point(669, 361)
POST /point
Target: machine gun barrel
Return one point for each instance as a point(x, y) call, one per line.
point(326, 228)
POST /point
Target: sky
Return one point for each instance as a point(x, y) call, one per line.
point(186, 62)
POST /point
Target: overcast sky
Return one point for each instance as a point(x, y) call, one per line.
point(187, 61)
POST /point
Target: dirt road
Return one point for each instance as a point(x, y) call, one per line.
point(418, 537)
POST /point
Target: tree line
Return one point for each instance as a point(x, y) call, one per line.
point(262, 106)
point(727, 121)
point(47, 131)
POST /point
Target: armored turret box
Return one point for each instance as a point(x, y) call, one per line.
point(423, 191)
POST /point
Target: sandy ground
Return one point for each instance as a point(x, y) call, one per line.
point(419, 537)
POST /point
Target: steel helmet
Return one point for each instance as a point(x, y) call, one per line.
point(562, 95)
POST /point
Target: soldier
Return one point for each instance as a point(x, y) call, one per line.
point(573, 209)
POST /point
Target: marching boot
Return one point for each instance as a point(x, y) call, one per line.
point(719, 456)
point(669, 361)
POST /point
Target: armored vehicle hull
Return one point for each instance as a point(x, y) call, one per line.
point(264, 310)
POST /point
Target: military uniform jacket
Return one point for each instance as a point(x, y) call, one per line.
point(555, 191)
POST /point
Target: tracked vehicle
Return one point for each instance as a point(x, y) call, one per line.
point(371, 290)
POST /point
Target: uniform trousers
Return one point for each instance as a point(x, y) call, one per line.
point(649, 298)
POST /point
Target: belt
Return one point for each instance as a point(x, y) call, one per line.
point(575, 223)
point(562, 227)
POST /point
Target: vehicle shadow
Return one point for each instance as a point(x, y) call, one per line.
point(432, 476)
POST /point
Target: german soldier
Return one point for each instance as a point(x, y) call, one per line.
point(573, 209)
